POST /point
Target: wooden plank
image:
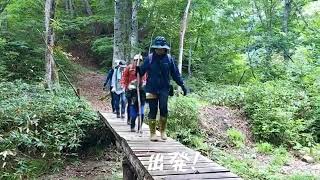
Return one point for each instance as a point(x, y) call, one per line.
point(138, 150)
point(146, 163)
point(190, 165)
point(187, 171)
point(218, 175)
point(140, 170)
point(216, 179)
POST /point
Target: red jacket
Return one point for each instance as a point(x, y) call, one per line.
point(129, 77)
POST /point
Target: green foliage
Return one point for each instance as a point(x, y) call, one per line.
point(103, 48)
point(19, 61)
point(65, 64)
point(265, 148)
point(248, 167)
point(225, 95)
point(273, 108)
point(280, 112)
point(36, 123)
point(301, 176)
point(183, 123)
point(236, 138)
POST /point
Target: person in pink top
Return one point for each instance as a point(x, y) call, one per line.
point(129, 82)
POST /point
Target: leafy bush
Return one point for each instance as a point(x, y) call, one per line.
point(225, 95)
point(102, 48)
point(19, 61)
point(183, 123)
point(265, 148)
point(34, 122)
point(280, 112)
point(273, 108)
point(236, 138)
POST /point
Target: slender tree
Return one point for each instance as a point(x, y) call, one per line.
point(87, 7)
point(184, 24)
point(71, 8)
point(51, 76)
point(118, 45)
point(134, 27)
point(285, 22)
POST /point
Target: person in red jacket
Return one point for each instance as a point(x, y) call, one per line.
point(129, 82)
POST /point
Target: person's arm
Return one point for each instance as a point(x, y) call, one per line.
point(109, 76)
point(144, 67)
point(175, 74)
point(125, 78)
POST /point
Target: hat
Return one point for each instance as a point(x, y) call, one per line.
point(137, 56)
point(120, 63)
point(160, 43)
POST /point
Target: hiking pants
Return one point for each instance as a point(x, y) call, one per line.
point(134, 112)
point(120, 99)
point(162, 103)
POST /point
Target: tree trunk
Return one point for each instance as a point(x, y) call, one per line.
point(4, 21)
point(51, 76)
point(66, 5)
point(126, 23)
point(71, 8)
point(286, 14)
point(134, 27)
point(285, 22)
point(182, 33)
point(190, 61)
point(118, 46)
point(87, 7)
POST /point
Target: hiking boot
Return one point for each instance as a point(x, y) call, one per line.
point(132, 130)
point(118, 115)
point(122, 116)
point(152, 127)
point(163, 126)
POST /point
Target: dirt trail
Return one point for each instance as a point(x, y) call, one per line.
point(91, 88)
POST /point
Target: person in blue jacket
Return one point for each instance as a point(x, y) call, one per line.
point(159, 66)
point(107, 85)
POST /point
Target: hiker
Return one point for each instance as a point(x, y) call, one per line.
point(159, 66)
point(107, 85)
point(129, 82)
point(119, 95)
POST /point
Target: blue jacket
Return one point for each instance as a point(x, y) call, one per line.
point(108, 79)
point(159, 71)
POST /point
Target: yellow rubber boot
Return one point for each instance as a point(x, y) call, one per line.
point(163, 126)
point(152, 127)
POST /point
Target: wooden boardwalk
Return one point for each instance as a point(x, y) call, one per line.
point(160, 160)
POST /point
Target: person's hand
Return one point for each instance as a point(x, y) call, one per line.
point(184, 89)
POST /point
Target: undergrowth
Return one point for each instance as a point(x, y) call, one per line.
point(40, 127)
point(184, 126)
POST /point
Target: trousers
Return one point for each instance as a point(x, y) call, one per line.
point(162, 102)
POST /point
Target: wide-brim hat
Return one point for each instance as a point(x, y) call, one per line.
point(160, 47)
point(160, 43)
